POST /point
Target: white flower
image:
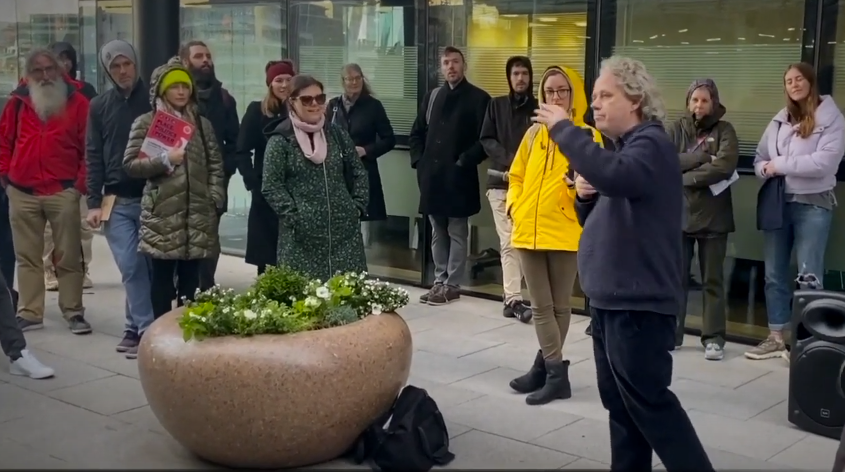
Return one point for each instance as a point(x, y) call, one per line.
point(323, 292)
point(312, 302)
point(249, 314)
point(376, 309)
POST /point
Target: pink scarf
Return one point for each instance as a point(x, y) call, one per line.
point(301, 129)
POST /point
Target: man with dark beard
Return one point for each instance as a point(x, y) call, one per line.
point(42, 168)
point(220, 108)
point(508, 118)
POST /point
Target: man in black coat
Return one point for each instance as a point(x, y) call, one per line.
point(220, 108)
point(446, 151)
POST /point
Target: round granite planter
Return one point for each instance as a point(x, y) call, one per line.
point(274, 401)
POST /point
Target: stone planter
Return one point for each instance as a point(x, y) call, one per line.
point(274, 401)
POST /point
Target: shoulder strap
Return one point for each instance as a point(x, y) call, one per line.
point(431, 104)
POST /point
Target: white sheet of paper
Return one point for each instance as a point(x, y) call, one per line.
point(720, 187)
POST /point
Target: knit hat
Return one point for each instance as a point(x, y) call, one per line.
point(118, 47)
point(710, 86)
point(277, 68)
point(173, 77)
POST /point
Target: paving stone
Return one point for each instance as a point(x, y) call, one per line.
point(445, 369)
point(445, 395)
point(811, 453)
point(722, 460)
point(746, 438)
point(456, 323)
point(456, 429)
point(514, 356)
point(480, 450)
point(730, 374)
point(450, 345)
point(723, 401)
point(511, 419)
point(123, 394)
point(17, 402)
point(18, 456)
point(586, 464)
point(142, 418)
point(69, 372)
point(99, 352)
point(587, 438)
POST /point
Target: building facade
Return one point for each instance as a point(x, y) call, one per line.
point(744, 45)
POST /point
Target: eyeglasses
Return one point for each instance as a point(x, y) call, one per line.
point(562, 93)
point(353, 79)
point(308, 100)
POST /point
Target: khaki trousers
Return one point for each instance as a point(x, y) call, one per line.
point(550, 276)
point(87, 241)
point(29, 215)
point(511, 269)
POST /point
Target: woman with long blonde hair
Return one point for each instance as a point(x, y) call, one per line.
point(263, 224)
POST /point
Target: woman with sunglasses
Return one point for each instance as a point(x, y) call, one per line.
point(316, 184)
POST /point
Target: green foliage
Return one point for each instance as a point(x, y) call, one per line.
point(282, 301)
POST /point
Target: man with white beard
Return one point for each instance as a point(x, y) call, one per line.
point(42, 169)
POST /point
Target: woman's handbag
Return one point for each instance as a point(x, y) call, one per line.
point(771, 200)
point(771, 204)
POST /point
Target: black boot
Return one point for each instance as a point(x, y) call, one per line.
point(557, 384)
point(534, 379)
point(589, 330)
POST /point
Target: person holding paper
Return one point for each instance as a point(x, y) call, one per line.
point(114, 198)
point(185, 188)
point(708, 151)
point(803, 145)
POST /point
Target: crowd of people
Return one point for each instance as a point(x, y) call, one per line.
point(566, 196)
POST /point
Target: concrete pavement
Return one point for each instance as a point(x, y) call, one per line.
point(94, 413)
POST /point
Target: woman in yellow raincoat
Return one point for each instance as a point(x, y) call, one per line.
point(541, 203)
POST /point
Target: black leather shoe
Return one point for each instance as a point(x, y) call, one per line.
point(534, 379)
point(557, 385)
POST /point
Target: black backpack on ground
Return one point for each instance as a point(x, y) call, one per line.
point(411, 436)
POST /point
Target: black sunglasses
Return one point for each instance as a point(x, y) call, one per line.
point(308, 100)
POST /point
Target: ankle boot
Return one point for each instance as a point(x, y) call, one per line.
point(557, 385)
point(534, 379)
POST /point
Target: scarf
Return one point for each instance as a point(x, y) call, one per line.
point(306, 133)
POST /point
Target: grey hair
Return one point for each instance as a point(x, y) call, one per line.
point(29, 63)
point(638, 85)
point(353, 67)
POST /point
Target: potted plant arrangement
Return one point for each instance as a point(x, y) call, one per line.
point(285, 374)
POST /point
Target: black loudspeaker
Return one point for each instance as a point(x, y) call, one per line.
point(817, 363)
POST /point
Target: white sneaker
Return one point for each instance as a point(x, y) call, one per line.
point(712, 352)
point(30, 367)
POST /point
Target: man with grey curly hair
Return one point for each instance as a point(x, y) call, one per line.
point(630, 204)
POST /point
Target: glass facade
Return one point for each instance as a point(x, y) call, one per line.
point(744, 45)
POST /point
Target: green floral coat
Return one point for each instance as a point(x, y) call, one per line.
point(319, 205)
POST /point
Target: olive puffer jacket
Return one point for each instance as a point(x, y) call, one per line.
point(179, 209)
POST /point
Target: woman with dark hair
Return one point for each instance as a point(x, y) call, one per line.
point(364, 118)
point(262, 226)
point(316, 184)
point(803, 146)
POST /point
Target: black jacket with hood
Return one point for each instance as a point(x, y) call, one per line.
point(110, 118)
point(507, 119)
point(65, 49)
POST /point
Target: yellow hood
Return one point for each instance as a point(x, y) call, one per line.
point(578, 96)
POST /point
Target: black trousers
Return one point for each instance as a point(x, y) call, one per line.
point(7, 248)
point(711, 261)
point(173, 279)
point(634, 371)
point(11, 336)
point(207, 268)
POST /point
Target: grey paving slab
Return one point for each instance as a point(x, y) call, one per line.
point(94, 414)
point(480, 450)
point(124, 394)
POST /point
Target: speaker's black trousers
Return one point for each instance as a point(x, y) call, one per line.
point(634, 370)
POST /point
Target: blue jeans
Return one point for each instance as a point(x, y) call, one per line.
point(122, 233)
point(806, 228)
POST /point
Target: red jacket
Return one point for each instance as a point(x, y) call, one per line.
point(43, 158)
